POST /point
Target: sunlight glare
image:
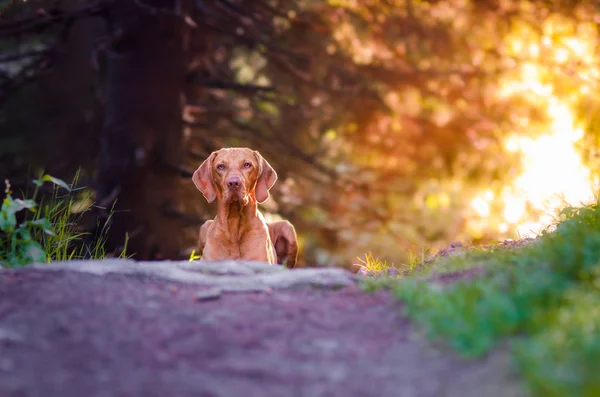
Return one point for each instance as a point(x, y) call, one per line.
point(553, 174)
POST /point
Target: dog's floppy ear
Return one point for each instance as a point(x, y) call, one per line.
point(203, 179)
point(266, 178)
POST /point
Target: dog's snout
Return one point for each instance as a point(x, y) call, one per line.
point(234, 182)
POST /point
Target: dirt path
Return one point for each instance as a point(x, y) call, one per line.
point(65, 333)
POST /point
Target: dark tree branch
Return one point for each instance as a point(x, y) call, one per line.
point(204, 109)
point(46, 19)
point(229, 85)
point(153, 10)
point(269, 8)
point(27, 73)
point(288, 146)
point(17, 57)
point(246, 23)
point(196, 124)
point(200, 156)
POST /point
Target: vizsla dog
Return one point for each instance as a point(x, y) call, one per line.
point(240, 178)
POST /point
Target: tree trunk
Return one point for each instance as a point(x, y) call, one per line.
point(141, 138)
point(69, 104)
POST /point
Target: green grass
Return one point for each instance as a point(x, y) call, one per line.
point(49, 228)
point(543, 297)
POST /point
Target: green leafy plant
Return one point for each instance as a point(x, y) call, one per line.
point(50, 227)
point(17, 245)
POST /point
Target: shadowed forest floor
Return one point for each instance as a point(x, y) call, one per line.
point(73, 334)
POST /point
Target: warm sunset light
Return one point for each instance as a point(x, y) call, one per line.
point(553, 174)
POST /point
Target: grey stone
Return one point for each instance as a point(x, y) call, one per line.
point(393, 272)
point(7, 335)
point(208, 294)
point(228, 276)
point(231, 267)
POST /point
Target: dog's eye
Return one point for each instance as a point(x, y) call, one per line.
point(247, 165)
point(221, 167)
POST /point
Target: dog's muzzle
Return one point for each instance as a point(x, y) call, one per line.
point(236, 191)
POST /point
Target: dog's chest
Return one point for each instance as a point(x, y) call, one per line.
point(252, 245)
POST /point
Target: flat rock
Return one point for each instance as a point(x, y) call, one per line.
point(227, 276)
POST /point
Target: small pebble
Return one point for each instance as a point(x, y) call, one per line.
point(6, 335)
point(208, 294)
point(393, 272)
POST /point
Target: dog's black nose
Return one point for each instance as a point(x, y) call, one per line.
point(234, 182)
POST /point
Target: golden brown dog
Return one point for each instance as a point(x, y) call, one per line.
point(240, 178)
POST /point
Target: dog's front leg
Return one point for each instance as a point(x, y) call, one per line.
point(203, 236)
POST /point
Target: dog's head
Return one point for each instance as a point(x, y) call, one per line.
point(235, 175)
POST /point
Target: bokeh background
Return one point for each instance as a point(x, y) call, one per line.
point(396, 126)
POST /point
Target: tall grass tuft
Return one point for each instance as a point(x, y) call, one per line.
point(50, 227)
point(372, 265)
